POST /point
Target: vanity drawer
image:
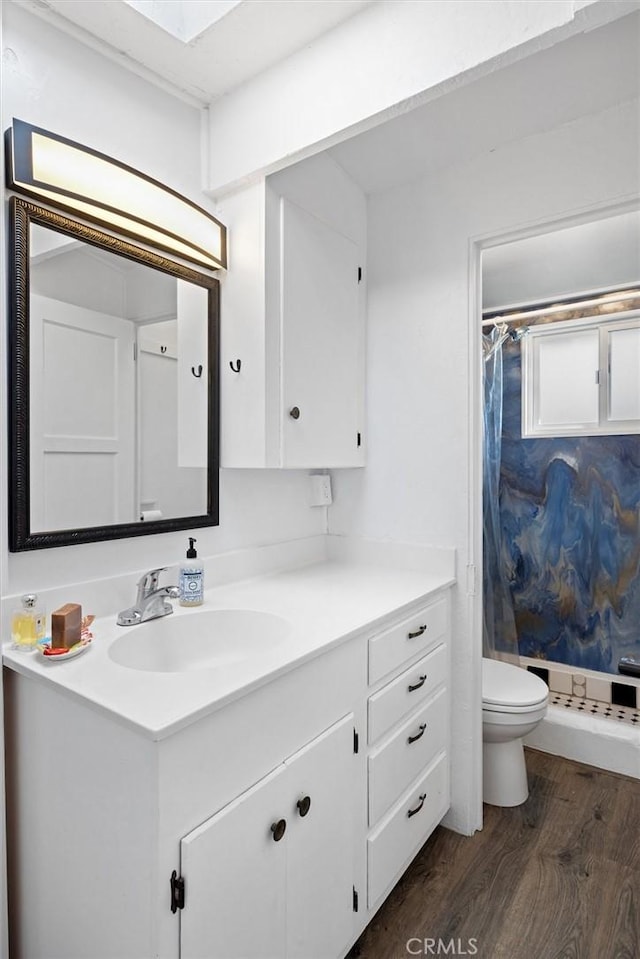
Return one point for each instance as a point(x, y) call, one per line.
point(407, 691)
point(400, 835)
point(407, 639)
point(402, 757)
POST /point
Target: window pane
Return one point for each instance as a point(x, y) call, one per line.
point(624, 360)
point(568, 390)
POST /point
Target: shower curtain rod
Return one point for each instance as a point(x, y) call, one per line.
point(516, 314)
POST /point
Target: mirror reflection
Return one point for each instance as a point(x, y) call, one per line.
point(120, 391)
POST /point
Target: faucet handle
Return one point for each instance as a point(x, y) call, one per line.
point(148, 583)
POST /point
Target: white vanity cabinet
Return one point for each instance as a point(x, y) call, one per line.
point(280, 854)
point(408, 736)
point(272, 827)
point(293, 315)
point(103, 816)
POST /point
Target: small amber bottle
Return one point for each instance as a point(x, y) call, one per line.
point(28, 624)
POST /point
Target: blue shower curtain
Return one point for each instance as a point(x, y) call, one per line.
point(499, 637)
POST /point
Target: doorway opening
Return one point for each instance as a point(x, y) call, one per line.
point(560, 590)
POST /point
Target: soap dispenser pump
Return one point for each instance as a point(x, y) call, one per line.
point(191, 581)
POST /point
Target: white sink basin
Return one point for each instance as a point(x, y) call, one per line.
point(199, 640)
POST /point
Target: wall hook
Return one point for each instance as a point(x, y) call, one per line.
point(199, 373)
point(236, 368)
point(163, 349)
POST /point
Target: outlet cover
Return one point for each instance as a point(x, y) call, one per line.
point(320, 494)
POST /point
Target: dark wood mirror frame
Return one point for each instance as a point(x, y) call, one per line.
point(21, 215)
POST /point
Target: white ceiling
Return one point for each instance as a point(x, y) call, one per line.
point(585, 74)
point(205, 48)
point(186, 21)
point(582, 75)
point(598, 255)
point(246, 39)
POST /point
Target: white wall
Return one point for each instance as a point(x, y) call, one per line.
point(51, 80)
point(418, 482)
point(389, 58)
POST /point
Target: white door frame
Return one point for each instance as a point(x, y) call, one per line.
point(477, 244)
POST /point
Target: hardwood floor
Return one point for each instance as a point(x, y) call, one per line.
point(555, 878)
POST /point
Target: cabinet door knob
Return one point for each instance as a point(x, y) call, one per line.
point(419, 631)
point(412, 688)
point(413, 739)
point(412, 812)
point(278, 829)
point(304, 805)
point(294, 413)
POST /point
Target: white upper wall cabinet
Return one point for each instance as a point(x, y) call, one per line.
point(293, 321)
point(321, 342)
point(582, 377)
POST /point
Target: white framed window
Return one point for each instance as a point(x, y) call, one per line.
point(582, 377)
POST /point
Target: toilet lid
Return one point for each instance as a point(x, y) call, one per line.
point(507, 685)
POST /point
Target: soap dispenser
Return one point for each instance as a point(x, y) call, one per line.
point(191, 582)
point(28, 624)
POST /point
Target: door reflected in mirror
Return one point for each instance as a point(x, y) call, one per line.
point(120, 353)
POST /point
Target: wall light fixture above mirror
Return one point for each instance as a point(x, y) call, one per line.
point(105, 191)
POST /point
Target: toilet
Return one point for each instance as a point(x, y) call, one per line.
point(514, 701)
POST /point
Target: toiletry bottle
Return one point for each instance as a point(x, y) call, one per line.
point(28, 624)
point(191, 578)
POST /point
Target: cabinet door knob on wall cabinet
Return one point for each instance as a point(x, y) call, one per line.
point(412, 687)
point(419, 631)
point(412, 812)
point(278, 829)
point(294, 413)
point(304, 805)
point(413, 739)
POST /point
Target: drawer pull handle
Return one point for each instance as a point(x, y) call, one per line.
point(304, 805)
point(415, 686)
point(419, 631)
point(278, 829)
point(412, 812)
point(413, 739)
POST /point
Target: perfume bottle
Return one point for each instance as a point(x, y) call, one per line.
point(28, 624)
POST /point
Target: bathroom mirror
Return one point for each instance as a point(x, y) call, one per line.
point(113, 373)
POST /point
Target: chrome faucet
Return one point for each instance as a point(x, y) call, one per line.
point(151, 601)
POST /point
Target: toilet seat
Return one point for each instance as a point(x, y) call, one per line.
point(510, 689)
point(493, 708)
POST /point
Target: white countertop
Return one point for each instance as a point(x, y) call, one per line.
point(325, 604)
